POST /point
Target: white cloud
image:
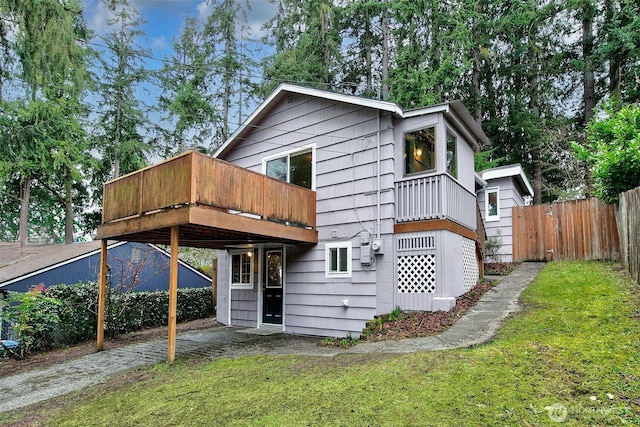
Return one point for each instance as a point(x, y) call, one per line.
point(261, 12)
point(96, 14)
point(159, 43)
point(204, 10)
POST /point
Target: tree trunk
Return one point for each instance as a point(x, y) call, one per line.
point(477, 94)
point(385, 56)
point(589, 78)
point(68, 217)
point(537, 183)
point(24, 212)
point(368, 56)
point(534, 107)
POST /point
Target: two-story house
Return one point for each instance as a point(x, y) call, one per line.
point(328, 209)
point(395, 212)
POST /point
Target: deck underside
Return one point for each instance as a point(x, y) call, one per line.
point(204, 227)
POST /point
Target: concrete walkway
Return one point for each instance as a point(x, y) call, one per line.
point(477, 326)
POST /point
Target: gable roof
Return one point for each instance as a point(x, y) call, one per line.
point(506, 171)
point(18, 263)
point(454, 110)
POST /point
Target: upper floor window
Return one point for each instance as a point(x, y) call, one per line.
point(492, 204)
point(452, 154)
point(296, 167)
point(420, 150)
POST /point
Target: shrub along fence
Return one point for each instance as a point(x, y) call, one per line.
point(628, 216)
point(67, 315)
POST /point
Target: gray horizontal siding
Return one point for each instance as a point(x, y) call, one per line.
point(346, 177)
point(321, 326)
point(244, 307)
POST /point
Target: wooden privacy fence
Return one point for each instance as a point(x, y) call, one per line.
point(628, 216)
point(574, 230)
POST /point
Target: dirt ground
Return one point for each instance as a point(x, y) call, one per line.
point(55, 356)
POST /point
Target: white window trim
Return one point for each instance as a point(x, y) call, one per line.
point(251, 270)
point(436, 152)
point(294, 151)
point(342, 274)
point(449, 131)
point(495, 217)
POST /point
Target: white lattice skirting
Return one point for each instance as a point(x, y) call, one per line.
point(417, 273)
point(470, 265)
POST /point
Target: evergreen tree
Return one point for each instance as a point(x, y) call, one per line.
point(186, 97)
point(433, 52)
point(619, 48)
point(122, 116)
point(307, 43)
point(43, 139)
point(363, 28)
point(224, 31)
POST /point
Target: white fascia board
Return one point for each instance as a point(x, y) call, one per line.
point(507, 171)
point(460, 117)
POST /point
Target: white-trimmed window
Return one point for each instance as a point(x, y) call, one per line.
point(296, 166)
point(452, 154)
point(492, 204)
point(420, 150)
point(338, 259)
point(241, 269)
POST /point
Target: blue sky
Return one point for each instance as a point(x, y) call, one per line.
point(164, 19)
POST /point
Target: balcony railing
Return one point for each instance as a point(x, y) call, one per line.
point(194, 179)
point(435, 197)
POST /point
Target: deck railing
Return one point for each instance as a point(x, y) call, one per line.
point(194, 179)
point(435, 197)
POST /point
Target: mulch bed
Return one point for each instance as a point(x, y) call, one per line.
point(412, 324)
point(500, 268)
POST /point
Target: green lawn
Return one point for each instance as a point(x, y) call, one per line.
point(572, 355)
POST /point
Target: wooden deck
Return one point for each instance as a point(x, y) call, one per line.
point(213, 203)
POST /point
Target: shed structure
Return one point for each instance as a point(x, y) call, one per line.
point(504, 187)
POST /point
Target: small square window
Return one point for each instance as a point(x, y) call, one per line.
point(338, 259)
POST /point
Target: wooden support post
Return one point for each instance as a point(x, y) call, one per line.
point(173, 294)
point(102, 294)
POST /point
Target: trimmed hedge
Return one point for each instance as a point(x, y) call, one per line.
point(77, 308)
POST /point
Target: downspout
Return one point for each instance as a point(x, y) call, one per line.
point(379, 179)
